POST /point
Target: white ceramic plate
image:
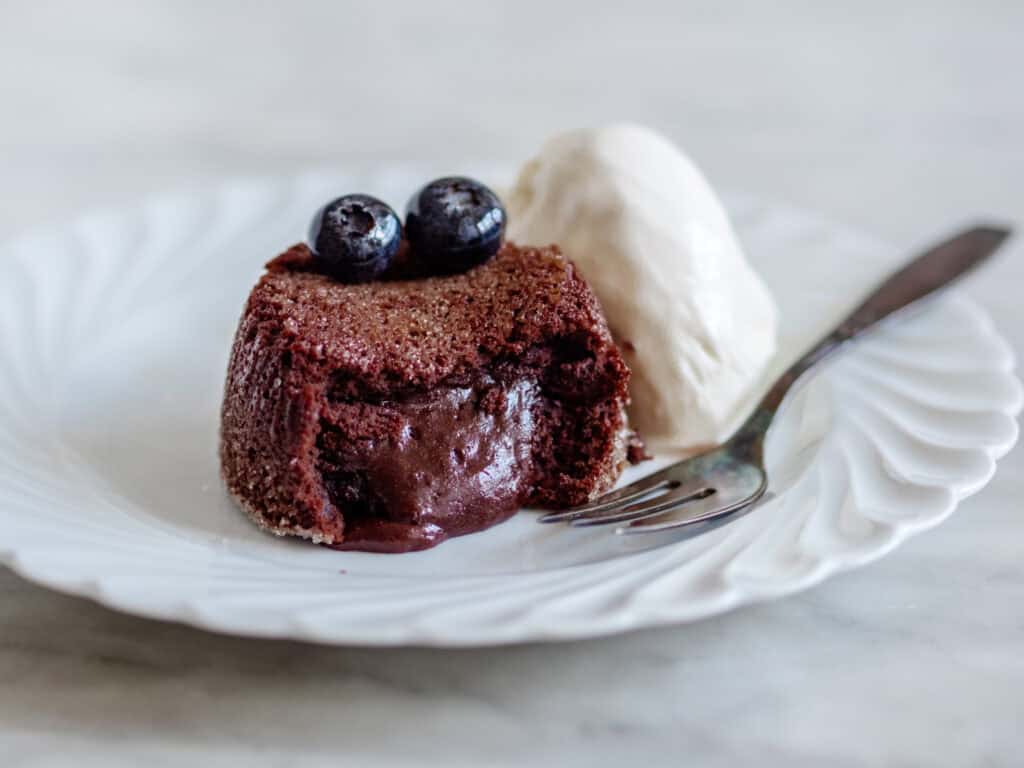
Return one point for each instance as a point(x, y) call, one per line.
point(114, 335)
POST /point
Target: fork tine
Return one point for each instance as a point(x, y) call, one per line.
point(646, 507)
point(685, 514)
point(627, 493)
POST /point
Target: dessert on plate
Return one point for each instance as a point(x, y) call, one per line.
point(391, 386)
point(384, 394)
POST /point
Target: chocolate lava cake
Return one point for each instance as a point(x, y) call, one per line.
point(389, 415)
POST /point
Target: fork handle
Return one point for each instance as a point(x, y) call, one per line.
point(922, 277)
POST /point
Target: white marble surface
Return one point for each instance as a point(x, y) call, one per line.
point(902, 119)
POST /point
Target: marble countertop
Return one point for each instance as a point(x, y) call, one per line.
point(903, 121)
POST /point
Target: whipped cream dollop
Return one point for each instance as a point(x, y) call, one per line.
point(694, 321)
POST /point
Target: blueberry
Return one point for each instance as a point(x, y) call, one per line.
point(355, 237)
point(454, 223)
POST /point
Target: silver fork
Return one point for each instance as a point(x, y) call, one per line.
point(713, 487)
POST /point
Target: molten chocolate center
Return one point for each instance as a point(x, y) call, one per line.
point(437, 465)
